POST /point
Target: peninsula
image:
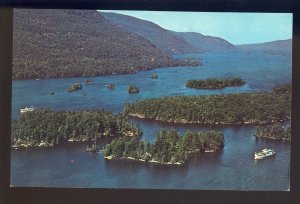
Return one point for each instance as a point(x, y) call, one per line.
point(240, 108)
point(44, 127)
point(275, 131)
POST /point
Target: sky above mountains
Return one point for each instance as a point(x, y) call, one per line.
point(237, 28)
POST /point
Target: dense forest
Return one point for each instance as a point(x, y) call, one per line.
point(75, 43)
point(241, 108)
point(169, 147)
point(274, 131)
point(44, 127)
point(214, 83)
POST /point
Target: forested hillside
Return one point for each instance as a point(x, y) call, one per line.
point(67, 43)
point(278, 45)
point(206, 43)
point(164, 39)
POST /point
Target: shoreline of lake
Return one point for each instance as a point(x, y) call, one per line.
point(183, 121)
point(142, 160)
point(69, 165)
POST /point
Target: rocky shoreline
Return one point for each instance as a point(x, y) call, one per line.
point(142, 160)
point(273, 138)
point(183, 121)
point(22, 144)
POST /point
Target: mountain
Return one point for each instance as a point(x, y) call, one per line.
point(68, 43)
point(164, 39)
point(278, 45)
point(206, 43)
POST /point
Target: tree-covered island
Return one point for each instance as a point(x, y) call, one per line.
point(169, 147)
point(110, 86)
point(48, 128)
point(214, 83)
point(88, 82)
point(191, 62)
point(132, 89)
point(154, 76)
point(241, 108)
point(74, 87)
point(274, 131)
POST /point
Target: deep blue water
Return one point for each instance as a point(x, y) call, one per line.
point(231, 169)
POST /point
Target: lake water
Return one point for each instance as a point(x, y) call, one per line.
point(231, 169)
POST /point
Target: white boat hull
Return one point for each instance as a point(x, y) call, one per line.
point(265, 153)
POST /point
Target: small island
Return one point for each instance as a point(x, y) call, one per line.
point(191, 62)
point(214, 83)
point(154, 76)
point(275, 131)
point(74, 87)
point(46, 128)
point(169, 147)
point(133, 89)
point(88, 82)
point(110, 86)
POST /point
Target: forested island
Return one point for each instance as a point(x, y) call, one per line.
point(154, 76)
point(169, 147)
point(241, 108)
point(74, 87)
point(44, 127)
point(88, 82)
point(111, 86)
point(132, 89)
point(190, 62)
point(274, 131)
point(214, 83)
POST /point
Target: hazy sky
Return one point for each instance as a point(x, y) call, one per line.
point(237, 28)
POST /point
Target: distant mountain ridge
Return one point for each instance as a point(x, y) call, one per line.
point(277, 45)
point(68, 43)
point(71, 43)
point(206, 43)
point(169, 41)
point(186, 42)
point(166, 40)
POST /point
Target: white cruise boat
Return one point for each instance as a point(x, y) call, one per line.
point(27, 109)
point(264, 153)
